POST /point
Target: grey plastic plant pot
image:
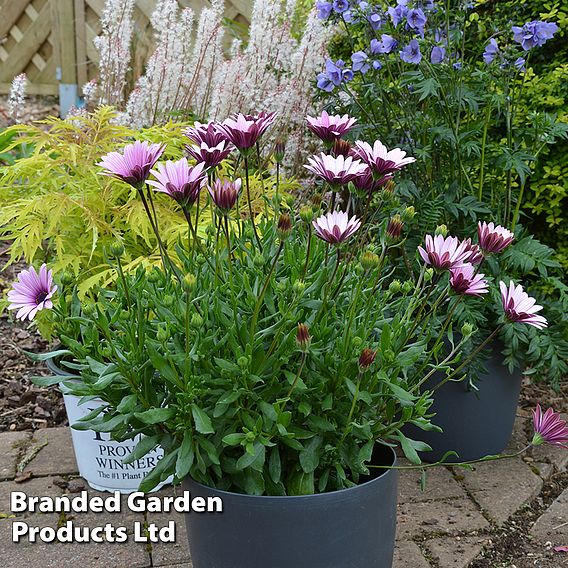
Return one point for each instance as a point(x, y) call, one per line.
point(474, 423)
point(351, 528)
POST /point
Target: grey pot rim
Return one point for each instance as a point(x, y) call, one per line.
point(300, 498)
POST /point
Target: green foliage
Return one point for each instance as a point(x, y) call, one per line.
point(56, 207)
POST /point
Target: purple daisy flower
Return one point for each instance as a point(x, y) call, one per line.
point(244, 130)
point(520, 307)
point(134, 164)
point(32, 292)
point(336, 227)
point(463, 280)
point(549, 428)
point(225, 193)
point(179, 180)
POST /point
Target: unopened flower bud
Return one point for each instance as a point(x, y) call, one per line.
point(306, 214)
point(303, 337)
point(162, 334)
point(340, 148)
point(467, 329)
point(259, 260)
point(243, 362)
point(154, 277)
point(189, 282)
point(299, 286)
point(389, 188)
point(357, 341)
point(168, 301)
point(366, 358)
point(117, 248)
point(66, 278)
point(196, 321)
point(442, 230)
point(428, 274)
point(395, 286)
point(407, 286)
point(408, 214)
point(394, 227)
point(279, 150)
point(284, 226)
point(290, 200)
point(316, 201)
point(282, 285)
point(369, 260)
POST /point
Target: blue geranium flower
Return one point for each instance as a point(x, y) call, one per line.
point(340, 6)
point(324, 9)
point(438, 54)
point(385, 45)
point(491, 51)
point(411, 53)
point(360, 61)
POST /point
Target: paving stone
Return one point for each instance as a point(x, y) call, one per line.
point(456, 552)
point(10, 444)
point(545, 470)
point(39, 487)
point(519, 438)
point(407, 554)
point(458, 515)
point(440, 484)
point(502, 487)
point(553, 524)
point(57, 457)
point(166, 553)
point(56, 554)
point(554, 455)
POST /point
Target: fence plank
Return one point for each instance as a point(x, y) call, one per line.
point(63, 16)
point(22, 53)
point(81, 42)
point(10, 12)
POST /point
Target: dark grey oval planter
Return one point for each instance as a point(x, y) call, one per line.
point(351, 528)
point(474, 423)
point(57, 370)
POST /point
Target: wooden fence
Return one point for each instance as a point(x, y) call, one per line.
point(52, 40)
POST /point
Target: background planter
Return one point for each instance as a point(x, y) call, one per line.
point(474, 423)
point(99, 458)
point(352, 528)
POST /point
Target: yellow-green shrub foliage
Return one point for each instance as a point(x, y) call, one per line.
point(57, 207)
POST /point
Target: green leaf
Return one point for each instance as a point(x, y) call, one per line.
point(202, 421)
point(256, 459)
point(234, 439)
point(227, 365)
point(159, 473)
point(310, 455)
point(144, 446)
point(155, 415)
point(274, 465)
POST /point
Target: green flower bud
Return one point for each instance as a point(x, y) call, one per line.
point(388, 356)
point(289, 199)
point(259, 260)
point(428, 274)
point(250, 436)
point(243, 362)
point(154, 276)
point(359, 270)
point(282, 285)
point(306, 214)
point(66, 278)
point(409, 213)
point(467, 329)
point(162, 335)
point(442, 230)
point(369, 260)
point(407, 286)
point(299, 286)
point(89, 309)
point(196, 321)
point(168, 300)
point(106, 352)
point(117, 248)
point(357, 341)
point(395, 287)
point(189, 282)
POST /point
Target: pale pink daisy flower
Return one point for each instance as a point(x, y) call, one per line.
point(520, 307)
point(493, 239)
point(336, 170)
point(336, 227)
point(225, 193)
point(475, 253)
point(244, 130)
point(444, 253)
point(463, 280)
point(366, 182)
point(32, 292)
point(381, 160)
point(549, 428)
point(179, 180)
point(330, 127)
point(133, 165)
point(210, 145)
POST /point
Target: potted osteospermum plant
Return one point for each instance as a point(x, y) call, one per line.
point(275, 361)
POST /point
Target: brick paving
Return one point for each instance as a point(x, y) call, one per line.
point(446, 526)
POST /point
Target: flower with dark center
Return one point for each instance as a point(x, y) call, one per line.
point(336, 227)
point(443, 253)
point(32, 292)
point(179, 180)
point(225, 193)
point(134, 164)
point(549, 428)
point(493, 239)
point(520, 307)
point(463, 280)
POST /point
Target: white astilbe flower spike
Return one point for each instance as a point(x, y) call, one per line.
point(113, 46)
point(17, 96)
